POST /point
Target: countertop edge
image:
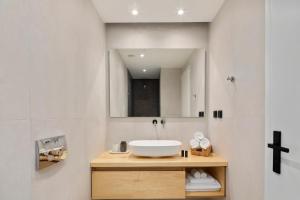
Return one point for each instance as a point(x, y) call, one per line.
point(106, 160)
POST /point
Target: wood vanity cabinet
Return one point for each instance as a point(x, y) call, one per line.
point(138, 184)
point(129, 177)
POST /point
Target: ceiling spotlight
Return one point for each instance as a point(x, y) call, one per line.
point(180, 12)
point(142, 55)
point(134, 12)
point(144, 70)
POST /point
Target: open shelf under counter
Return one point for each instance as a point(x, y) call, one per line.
point(219, 173)
point(125, 176)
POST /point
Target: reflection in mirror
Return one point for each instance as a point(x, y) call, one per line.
point(157, 82)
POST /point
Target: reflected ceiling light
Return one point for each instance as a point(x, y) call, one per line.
point(180, 12)
point(142, 55)
point(144, 70)
point(134, 12)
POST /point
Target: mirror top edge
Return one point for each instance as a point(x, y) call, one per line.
point(153, 48)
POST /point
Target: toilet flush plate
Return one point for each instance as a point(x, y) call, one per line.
point(50, 151)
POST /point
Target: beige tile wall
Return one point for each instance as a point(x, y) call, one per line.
point(237, 48)
point(52, 81)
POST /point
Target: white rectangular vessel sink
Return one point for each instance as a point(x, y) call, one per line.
point(155, 148)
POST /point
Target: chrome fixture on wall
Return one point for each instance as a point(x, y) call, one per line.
point(163, 122)
point(230, 78)
point(154, 122)
point(50, 151)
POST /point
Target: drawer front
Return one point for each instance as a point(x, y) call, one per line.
point(138, 184)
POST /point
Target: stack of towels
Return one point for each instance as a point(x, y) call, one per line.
point(199, 141)
point(199, 181)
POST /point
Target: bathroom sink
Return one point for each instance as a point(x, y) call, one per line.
point(155, 148)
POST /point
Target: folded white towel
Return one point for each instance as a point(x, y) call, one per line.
point(204, 186)
point(194, 143)
point(204, 143)
point(209, 179)
point(195, 173)
point(198, 136)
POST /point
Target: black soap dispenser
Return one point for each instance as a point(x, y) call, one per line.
point(123, 146)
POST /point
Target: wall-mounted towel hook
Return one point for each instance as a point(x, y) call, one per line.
point(230, 78)
point(163, 122)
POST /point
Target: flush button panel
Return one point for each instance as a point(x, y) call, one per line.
point(50, 151)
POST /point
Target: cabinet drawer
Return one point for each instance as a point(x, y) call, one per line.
point(138, 184)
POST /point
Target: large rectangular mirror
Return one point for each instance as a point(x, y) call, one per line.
point(157, 82)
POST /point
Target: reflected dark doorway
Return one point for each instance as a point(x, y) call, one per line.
point(144, 98)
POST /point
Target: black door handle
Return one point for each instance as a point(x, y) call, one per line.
point(277, 149)
point(283, 149)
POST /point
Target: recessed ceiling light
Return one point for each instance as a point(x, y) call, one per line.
point(134, 12)
point(144, 70)
point(180, 12)
point(142, 55)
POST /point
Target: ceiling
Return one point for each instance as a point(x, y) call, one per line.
point(153, 61)
point(119, 11)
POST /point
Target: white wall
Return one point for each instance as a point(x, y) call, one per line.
point(118, 83)
point(165, 35)
point(237, 48)
point(189, 35)
point(186, 92)
point(170, 92)
point(52, 77)
point(15, 135)
point(195, 66)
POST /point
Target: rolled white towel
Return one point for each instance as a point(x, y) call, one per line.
point(204, 143)
point(203, 175)
point(195, 173)
point(198, 136)
point(194, 143)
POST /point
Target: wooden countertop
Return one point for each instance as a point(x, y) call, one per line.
point(128, 160)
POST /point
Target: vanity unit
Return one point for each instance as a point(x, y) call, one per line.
point(124, 176)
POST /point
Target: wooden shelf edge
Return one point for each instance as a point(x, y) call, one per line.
point(216, 194)
point(137, 165)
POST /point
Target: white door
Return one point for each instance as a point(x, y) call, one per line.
point(283, 96)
